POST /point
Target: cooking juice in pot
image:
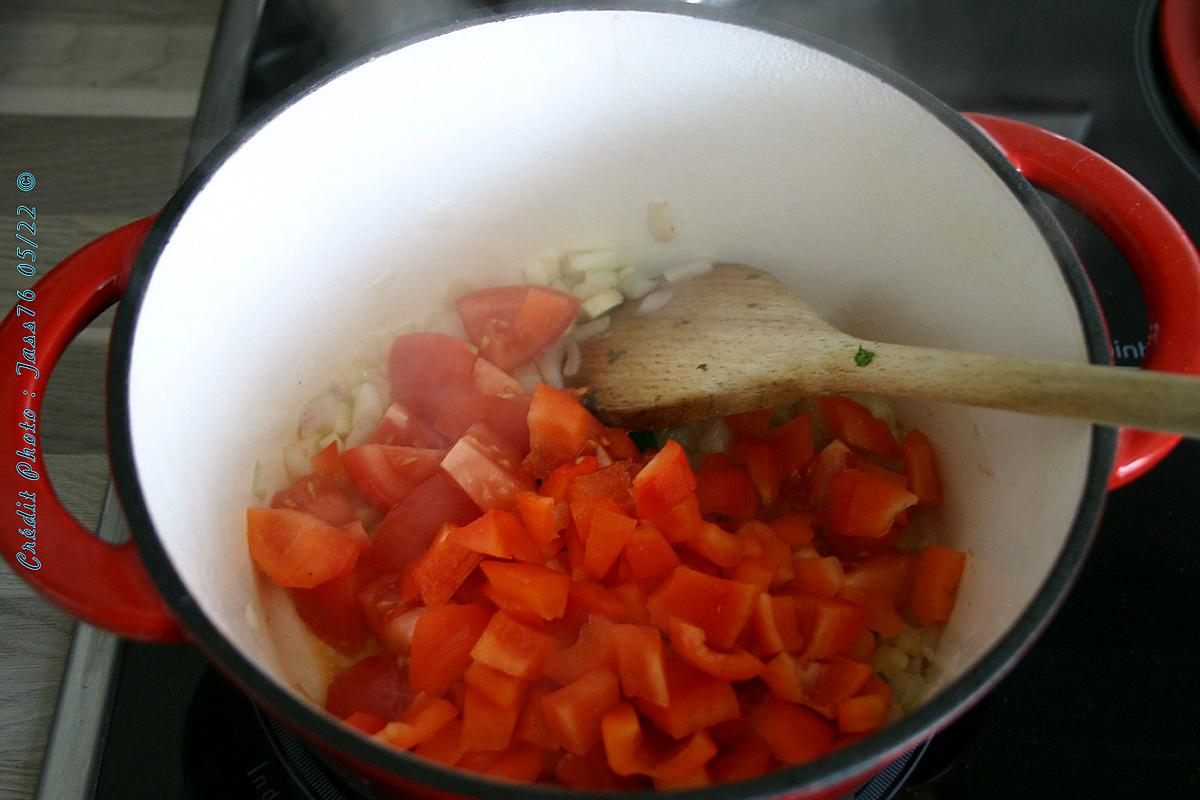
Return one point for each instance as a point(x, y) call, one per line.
point(518, 590)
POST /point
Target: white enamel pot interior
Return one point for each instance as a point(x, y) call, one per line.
point(370, 199)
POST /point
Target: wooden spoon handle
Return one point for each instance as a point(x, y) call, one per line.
point(1136, 398)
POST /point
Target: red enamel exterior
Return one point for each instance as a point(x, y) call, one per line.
point(1156, 246)
point(98, 582)
point(1179, 36)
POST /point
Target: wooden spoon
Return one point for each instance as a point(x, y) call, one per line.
point(736, 339)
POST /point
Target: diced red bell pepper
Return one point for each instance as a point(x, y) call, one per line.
point(559, 428)
point(514, 647)
point(822, 576)
point(420, 723)
point(726, 490)
point(721, 548)
point(367, 723)
point(697, 702)
point(521, 763)
point(441, 646)
point(614, 483)
point(497, 533)
point(487, 725)
point(443, 568)
point(795, 734)
point(854, 424)
point(531, 724)
point(558, 483)
point(664, 492)
point(682, 766)
point(935, 583)
point(634, 595)
point(688, 642)
point(782, 677)
point(793, 444)
point(762, 462)
point(625, 744)
point(775, 625)
point(540, 520)
point(585, 598)
point(920, 468)
point(618, 444)
point(720, 606)
point(830, 627)
point(759, 571)
point(888, 576)
point(606, 537)
point(879, 615)
point(751, 424)
point(828, 463)
point(864, 505)
point(595, 647)
point(591, 771)
point(503, 690)
point(648, 553)
point(827, 683)
point(741, 762)
point(861, 714)
point(446, 745)
point(641, 664)
point(574, 712)
point(532, 587)
point(795, 530)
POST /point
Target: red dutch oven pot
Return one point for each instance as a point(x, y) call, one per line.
point(901, 219)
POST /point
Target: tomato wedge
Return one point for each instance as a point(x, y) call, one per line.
point(512, 324)
point(374, 685)
point(385, 474)
point(426, 368)
point(402, 428)
point(487, 468)
point(299, 551)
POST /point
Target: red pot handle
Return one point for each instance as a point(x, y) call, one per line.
point(98, 582)
point(1156, 246)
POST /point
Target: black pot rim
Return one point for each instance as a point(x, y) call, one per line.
point(831, 771)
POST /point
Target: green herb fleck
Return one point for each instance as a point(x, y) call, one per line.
point(863, 356)
point(702, 367)
point(613, 355)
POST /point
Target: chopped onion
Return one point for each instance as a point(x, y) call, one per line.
point(654, 302)
point(638, 287)
point(580, 262)
point(549, 364)
point(889, 661)
point(589, 329)
point(368, 410)
point(603, 458)
point(296, 460)
point(715, 438)
point(573, 357)
point(256, 482)
point(328, 440)
point(318, 415)
point(602, 303)
point(543, 270)
point(528, 376)
point(596, 282)
point(343, 418)
point(689, 270)
point(658, 215)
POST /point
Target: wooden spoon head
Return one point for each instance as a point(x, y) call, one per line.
point(725, 343)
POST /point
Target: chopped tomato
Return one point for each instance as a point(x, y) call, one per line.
point(491, 380)
point(486, 468)
point(854, 424)
point(688, 642)
point(751, 424)
point(332, 611)
point(512, 324)
point(402, 428)
point(385, 475)
point(935, 583)
point(506, 417)
point(920, 468)
point(559, 427)
point(409, 528)
point(573, 713)
point(299, 551)
point(321, 496)
point(864, 505)
point(441, 646)
point(426, 368)
point(375, 685)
